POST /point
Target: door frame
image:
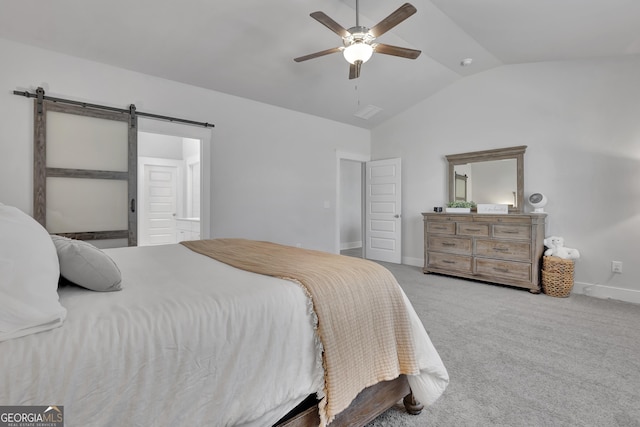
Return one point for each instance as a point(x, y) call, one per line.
point(188, 179)
point(362, 159)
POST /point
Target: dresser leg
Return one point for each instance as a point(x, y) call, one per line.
point(534, 291)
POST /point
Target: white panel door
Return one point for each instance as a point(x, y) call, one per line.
point(383, 217)
point(158, 227)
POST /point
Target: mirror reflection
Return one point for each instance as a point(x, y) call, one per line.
point(490, 176)
point(487, 182)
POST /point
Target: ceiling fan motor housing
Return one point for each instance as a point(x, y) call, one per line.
point(358, 34)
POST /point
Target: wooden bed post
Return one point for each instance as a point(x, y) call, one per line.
point(412, 406)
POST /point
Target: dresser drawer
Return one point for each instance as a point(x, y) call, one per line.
point(519, 251)
point(441, 227)
point(471, 229)
point(444, 217)
point(515, 232)
point(502, 219)
point(504, 269)
point(454, 263)
point(450, 245)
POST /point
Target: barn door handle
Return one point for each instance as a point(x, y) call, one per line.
point(133, 205)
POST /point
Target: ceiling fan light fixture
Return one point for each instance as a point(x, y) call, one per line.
point(358, 41)
point(358, 51)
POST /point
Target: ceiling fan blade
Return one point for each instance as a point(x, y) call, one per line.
point(317, 54)
point(402, 13)
point(354, 70)
point(402, 52)
point(322, 18)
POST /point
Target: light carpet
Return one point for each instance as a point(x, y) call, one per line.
point(518, 359)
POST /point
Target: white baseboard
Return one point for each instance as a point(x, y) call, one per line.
point(606, 292)
point(416, 262)
point(350, 245)
point(597, 291)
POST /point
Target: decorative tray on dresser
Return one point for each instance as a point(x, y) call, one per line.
point(497, 248)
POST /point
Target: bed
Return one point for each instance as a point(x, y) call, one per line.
point(185, 339)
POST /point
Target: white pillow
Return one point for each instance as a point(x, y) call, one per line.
point(29, 275)
point(87, 266)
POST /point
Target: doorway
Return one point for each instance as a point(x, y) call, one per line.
point(376, 188)
point(169, 189)
point(351, 208)
point(205, 136)
point(350, 204)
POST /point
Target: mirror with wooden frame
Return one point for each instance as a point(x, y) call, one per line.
point(489, 176)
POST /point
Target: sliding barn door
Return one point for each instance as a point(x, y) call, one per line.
point(85, 163)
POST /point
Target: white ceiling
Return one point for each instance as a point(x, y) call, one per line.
point(246, 47)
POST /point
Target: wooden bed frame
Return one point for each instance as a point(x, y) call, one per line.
point(370, 403)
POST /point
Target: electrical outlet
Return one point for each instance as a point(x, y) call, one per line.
point(616, 267)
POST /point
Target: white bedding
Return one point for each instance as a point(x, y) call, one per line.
point(188, 341)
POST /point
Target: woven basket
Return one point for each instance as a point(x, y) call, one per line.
point(557, 276)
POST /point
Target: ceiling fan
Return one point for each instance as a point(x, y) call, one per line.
point(358, 41)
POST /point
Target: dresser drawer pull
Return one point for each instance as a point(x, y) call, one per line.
point(510, 232)
point(501, 270)
point(448, 244)
point(501, 249)
point(446, 261)
point(440, 228)
point(473, 229)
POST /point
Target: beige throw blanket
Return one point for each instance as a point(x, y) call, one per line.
point(362, 322)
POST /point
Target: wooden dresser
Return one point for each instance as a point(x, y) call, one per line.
point(504, 249)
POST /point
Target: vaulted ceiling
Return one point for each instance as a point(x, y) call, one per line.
point(246, 47)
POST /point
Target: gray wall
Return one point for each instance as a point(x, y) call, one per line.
point(580, 121)
point(273, 170)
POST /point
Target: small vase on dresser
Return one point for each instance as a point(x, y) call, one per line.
point(505, 248)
